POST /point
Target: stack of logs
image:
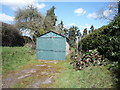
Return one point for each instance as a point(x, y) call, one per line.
point(89, 58)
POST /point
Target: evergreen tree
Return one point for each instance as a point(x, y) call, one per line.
point(91, 29)
point(79, 34)
point(50, 20)
point(61, 27)
point(72, 35)
point(85, 32)
point(66, 31)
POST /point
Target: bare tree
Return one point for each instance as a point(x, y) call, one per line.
point(109, 12)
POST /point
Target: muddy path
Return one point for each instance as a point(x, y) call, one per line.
point(41, 74)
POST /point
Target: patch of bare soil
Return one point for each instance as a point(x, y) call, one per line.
point(33, 76)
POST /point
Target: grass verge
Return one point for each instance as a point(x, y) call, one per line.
point(91, 77)
point(15, 57)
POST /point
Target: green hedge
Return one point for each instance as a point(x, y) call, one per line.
point(105, 39)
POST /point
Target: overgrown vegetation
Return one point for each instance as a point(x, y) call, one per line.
point(10, 35)
point(107, 42)
point(91, 77)
point(105, 39)
point(15, 57)
point(97, 74)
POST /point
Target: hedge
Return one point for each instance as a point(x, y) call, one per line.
point(105, 39)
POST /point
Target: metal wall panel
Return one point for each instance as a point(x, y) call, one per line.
point(51, 47)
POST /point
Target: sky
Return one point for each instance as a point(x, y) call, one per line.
point(81, 14)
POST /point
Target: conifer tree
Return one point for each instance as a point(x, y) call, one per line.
point(50, 20)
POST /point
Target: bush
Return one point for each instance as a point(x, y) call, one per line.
point(105, 39)
point(113, 66)
point(11, 36)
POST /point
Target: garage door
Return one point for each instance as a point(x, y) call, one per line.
point(51, 48)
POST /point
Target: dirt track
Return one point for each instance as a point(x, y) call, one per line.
point(33, 75)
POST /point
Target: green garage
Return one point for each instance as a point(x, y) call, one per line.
point(51, 46)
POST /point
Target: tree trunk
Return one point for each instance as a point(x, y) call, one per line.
point(119, 8)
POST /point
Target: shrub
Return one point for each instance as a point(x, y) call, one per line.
point(105, 39)
point(113, 66)
point(11, 36)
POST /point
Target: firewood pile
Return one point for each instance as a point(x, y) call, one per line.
point(92, 57)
